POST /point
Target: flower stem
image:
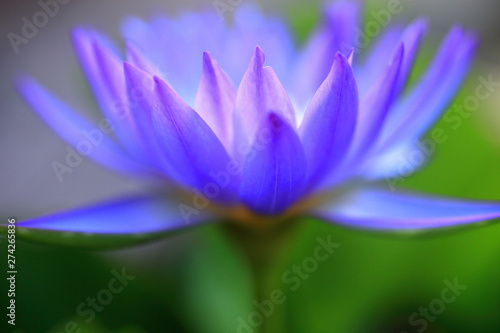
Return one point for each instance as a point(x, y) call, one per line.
point(264, 249)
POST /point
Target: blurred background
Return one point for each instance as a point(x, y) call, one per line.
point(200, 282)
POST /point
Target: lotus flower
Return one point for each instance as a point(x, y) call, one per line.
point(236, 123)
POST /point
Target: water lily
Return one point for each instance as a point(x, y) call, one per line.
point(234, 122)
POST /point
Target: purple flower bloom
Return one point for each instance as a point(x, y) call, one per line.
point(311, 134)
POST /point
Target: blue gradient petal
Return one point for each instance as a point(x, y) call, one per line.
point(215, 100)
point(411, 37)
point(336, 35)
point(189, 147)
point(131, 216)
point(259, 93)
point(330, 120)
point(275, 171)
point(416, 113)
point(376, 103)
point(372, 112)
point(412, 117)
point(104, 71)
point(188, 142)
point(76, 130)
point(252, 28)
point(380, 209)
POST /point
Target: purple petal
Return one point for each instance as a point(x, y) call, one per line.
point(136, 58)
point(330, 120)
point(259, 93)
point(252, 28)
point(337, 35)
point(379, 209)
point(375, 104)
point(275, 171)
point(132, 216)
point(377, 58)
point(411, 118)
point(174, 46)
point(88, 140)
point(416, 113)
point(411, 39)
point(189, 144)
point(371, 115)
point(188, 150)
point(215, 100)
point(141, 95)
point(105, 74)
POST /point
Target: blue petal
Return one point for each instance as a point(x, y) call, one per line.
point(174, 46)
point(412, 117)
point(411, 38)
point(259, 93)
point(275, 171)
point(330, 119)
point(189, 144)
point(371, 115)
point(375, 104)
point(337, 35)
point(141, 95)
point(252, 28)
point(132, 216)
point(104, 71)
point(215, 100)
point(186, 143)
point(383, 48)
point(417, 112)
point(136, 58)
point(379, 209)
point(77, 130)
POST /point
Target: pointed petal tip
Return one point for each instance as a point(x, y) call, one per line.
point(206, 55)
point(21, 80)
point(78, 32)
point(350, 57)
point(208, 62)
point(421, 23)
point(259, 55)
point(342, 59)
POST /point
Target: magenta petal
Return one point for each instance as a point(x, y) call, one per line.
point(380, 209)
